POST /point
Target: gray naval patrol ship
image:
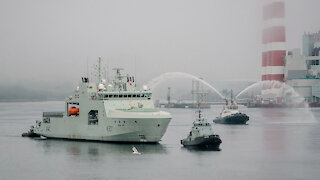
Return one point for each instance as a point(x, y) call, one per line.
point(117, 113)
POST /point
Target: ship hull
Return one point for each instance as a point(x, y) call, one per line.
point(206, 141)
point(30, 134)
point(237, 118)
point(142, 130)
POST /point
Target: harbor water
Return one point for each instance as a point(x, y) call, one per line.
point(276, 144)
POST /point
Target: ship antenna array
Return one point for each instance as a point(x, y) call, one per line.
point(99, 70)
point(87, 67)
point(199, 110)
point(107, 73)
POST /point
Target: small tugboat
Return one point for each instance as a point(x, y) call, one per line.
point(30, 133)
point(201, 135)
point(231, 114)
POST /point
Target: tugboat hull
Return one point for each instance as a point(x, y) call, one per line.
point(30, 134)
point(238, 118)
point(206, 141)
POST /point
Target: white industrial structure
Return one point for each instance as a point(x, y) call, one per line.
point(302, 70)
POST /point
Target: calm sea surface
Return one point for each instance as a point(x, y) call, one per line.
point(276, 144)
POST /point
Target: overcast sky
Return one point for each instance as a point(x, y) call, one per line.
point(49, 41)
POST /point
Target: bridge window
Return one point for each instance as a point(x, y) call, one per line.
point(314, 62)
point(93, 117)
point(46, 120)
point(125, 95)
point(148, 96)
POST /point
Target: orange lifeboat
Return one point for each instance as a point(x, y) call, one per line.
point(73, 111)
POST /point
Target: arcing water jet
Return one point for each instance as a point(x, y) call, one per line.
point(169, 75)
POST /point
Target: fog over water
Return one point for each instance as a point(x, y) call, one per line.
point(47, 43)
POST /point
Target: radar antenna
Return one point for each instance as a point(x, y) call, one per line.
point(117, 70)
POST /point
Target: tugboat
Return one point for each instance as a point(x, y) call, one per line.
point(30, 133)
point(231, 114)
point(99, 111)
point(201, 135)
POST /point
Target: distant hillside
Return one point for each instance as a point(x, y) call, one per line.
point(44, 92)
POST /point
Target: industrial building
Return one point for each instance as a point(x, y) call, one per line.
point(302, 70)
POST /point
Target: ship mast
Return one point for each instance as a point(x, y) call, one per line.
point(107, 72)
point(118, 78)
point(99, 70)
point(87, 67)
point(231, 96)
point(199, 110)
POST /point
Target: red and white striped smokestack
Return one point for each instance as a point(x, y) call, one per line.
point(273, 40)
